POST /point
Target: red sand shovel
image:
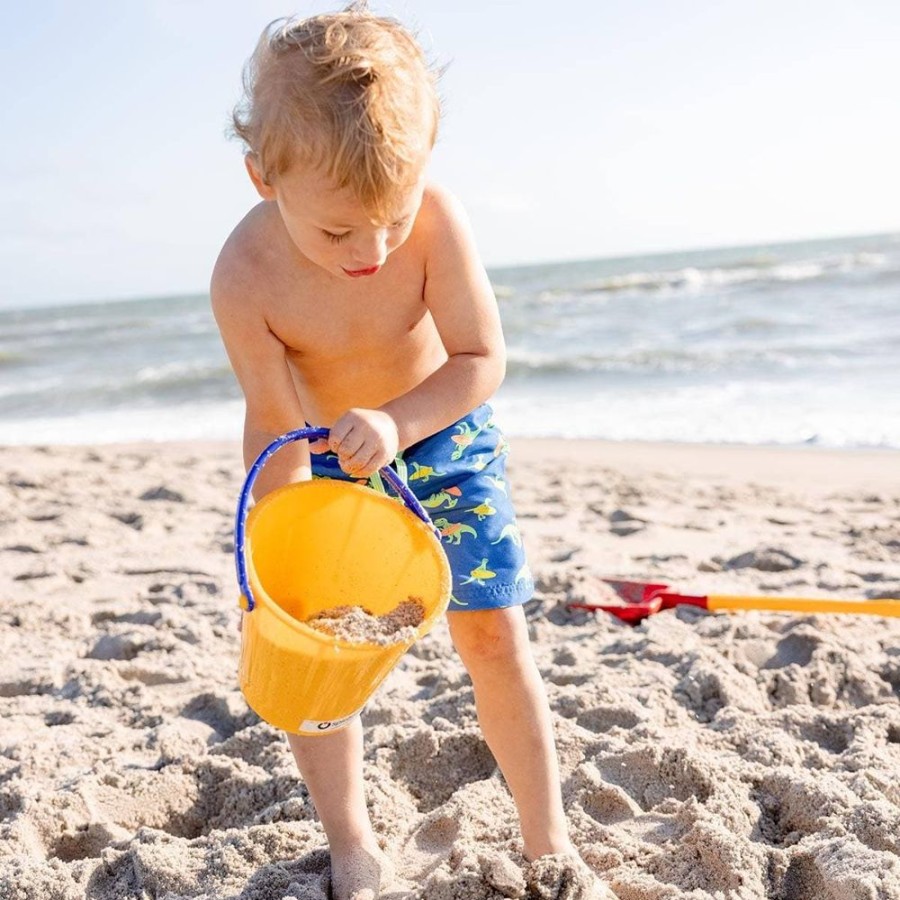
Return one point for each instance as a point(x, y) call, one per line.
point(641, 599)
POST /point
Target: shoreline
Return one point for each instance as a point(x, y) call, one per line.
point(777, 464)
point(863, 468)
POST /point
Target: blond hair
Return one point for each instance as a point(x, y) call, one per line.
point(348, 92)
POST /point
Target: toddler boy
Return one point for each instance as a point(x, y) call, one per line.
point(352, 297)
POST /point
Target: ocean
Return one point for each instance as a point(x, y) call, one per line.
point(785, 344)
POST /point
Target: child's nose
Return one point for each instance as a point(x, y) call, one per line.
point(371, 249)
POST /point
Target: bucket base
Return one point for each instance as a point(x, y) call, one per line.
point(310, 727)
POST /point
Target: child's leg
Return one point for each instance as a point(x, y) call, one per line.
point(331, 766)
point(515, 718)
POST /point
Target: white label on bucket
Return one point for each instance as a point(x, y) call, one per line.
point(312, 726)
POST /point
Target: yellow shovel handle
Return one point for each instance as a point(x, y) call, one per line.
point(889, 607)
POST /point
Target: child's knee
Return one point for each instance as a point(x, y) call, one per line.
point(489, 634)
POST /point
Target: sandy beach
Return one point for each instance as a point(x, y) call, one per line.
point(738, 757)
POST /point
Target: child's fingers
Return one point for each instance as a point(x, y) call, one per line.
point(341, 432)
point(344, 444)
point(362, 462)
point(369, 466)
point(319, 446)
point(352, 465)
point(352, 447)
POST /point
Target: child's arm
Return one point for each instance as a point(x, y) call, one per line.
point(461, 301)
point(259, 362)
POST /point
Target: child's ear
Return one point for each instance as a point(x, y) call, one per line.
point(263, 188)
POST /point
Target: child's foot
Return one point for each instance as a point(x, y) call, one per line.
point(564, 876)
point(360, 873)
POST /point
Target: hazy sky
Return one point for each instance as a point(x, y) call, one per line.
point(571, 129)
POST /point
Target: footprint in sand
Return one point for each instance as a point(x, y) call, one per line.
point(32, 576)
point(766, 559)
point(45, 514)
point(24, 687)
point(139, 617)
point(793, 650)
point(118, 646)
point(433, 767)
point(161, 492)
point(225, 713)
point(603, 718)
point(131, 519)
point(560, 877)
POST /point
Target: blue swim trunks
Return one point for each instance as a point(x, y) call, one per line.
point(459, 476)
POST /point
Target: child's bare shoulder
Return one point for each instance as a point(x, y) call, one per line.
point(447, 236)
point(244, 261)
point(441, 211)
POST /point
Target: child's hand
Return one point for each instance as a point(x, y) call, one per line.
point(364, 440)
point(319, 445)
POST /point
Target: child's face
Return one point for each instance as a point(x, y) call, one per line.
point(330, 227)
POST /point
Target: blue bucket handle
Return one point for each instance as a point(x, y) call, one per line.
point(243, 508)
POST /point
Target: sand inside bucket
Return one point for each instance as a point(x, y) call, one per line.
point(357, 625)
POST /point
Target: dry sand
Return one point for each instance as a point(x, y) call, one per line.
point(359, 626)
point(744, 756)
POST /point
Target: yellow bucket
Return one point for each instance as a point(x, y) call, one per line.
point(311, 546)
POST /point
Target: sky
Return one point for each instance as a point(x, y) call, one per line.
point(571, 130)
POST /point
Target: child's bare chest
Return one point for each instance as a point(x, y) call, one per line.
point(360, 345)
point(322, 321)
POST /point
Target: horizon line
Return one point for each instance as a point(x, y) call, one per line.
point(616, 257)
